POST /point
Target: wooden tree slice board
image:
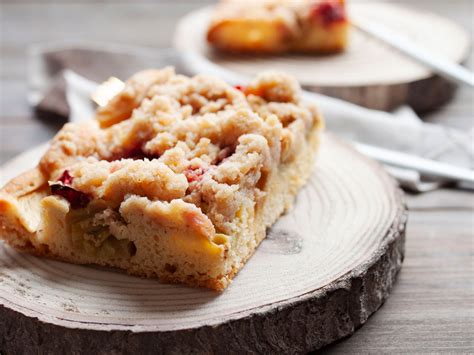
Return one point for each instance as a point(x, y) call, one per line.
point(369, 73)
point(324, 268)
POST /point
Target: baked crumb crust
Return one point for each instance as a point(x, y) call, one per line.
point(177, 178)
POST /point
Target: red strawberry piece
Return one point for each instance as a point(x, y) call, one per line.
point(194, 174)
point(77, 199)
point(66, 178)
point(329, 11)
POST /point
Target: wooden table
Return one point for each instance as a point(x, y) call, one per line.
point(432, 304)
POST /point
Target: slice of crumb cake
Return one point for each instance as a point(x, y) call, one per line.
point(279, 26)
point(177, 178)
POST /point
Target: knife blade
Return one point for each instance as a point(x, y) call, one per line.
point(426, 167)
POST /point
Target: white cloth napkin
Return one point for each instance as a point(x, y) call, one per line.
point(401, 130)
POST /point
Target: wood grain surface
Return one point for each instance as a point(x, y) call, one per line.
point(369, 72)
point(431, 308)
point(326, 265)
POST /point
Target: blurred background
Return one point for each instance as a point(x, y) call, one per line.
point(141, 22)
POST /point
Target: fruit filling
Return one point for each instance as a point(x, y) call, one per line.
point(329, 11)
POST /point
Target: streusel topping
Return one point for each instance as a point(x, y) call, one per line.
point(168, 137)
